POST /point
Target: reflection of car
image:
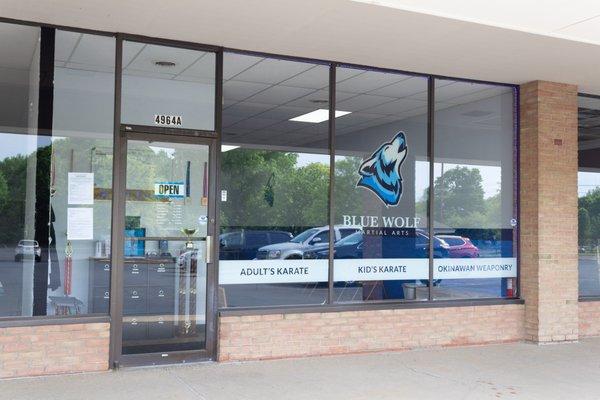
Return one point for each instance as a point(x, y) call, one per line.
point(459, 247)
point(440, 247)
point(243, 245)
point(352, 247)
point(311, 239)
point(349, 247)
point(28, 248)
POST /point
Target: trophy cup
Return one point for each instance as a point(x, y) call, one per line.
point(189, 232)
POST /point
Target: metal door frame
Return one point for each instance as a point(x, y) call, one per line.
point(117, 358)
point(124, 132)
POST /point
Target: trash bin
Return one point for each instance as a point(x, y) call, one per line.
point(410, 291)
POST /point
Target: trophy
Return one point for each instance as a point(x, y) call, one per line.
point(189, 232)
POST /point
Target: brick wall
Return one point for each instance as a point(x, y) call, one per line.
point(298, 335)
point(53, 349)
point(548, 220)
point(589, 318)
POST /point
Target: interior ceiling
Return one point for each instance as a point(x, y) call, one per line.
point(552, 42)
point(262, 94)
point(589, 123)
point(20, 42)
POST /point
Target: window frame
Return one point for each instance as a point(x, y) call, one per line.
point(585, 298)
point(330, 306)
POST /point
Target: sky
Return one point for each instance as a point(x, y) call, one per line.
point(490, 174)
point(586, 182)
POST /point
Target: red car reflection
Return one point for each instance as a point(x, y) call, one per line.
point(459, 247)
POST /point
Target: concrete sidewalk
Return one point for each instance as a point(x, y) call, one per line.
point(510, 371)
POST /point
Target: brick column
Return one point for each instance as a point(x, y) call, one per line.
point(548, 220)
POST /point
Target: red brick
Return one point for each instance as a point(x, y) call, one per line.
point(367, 331)
point(51, 349)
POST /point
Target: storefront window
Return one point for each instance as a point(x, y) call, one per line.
point(381, 183)
point(474, 209)
point(168, 87)
point(274, 183)
point(55, 170)
point(589, 196)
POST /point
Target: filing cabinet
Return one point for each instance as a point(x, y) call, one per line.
point(161, 273)
point(100, 300)
point(99, 286)
point(161, 299)
point(161, 328)
point(149, 293)
point(135, 300)
point(135, 274)
point(101, 273)
point(134, 329)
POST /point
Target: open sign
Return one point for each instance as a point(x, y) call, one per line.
point(169, 189)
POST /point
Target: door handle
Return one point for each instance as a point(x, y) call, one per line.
point(208, 251)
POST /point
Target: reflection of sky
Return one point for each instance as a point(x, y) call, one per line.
point(586, 182)
point(490, 174)
point(305, 158)
point(490, 177)
point(12, 144)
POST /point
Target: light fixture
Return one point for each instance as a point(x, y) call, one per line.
point(227, 147)
point(167, 64)
point(320, 115)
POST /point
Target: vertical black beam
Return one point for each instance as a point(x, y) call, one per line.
point(118, 215)
point(517, 184)
point(43, 213)
point(212, 329)
point(219, 93)
point(331, 210)
point(431, 194)
point(46, 88)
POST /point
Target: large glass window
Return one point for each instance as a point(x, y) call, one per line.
point(474, 209)
point(274, 182)
point(589, 196)
point(55, 170)
point(381, 183)
point(167, 86)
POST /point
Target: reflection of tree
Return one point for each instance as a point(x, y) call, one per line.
point(3, 190)
point(460, 203)
point(589, 217)
point(12, 205)
point(346, 176)
point(459, 191)
point(299, 194)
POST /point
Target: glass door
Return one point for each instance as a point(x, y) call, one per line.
point(166, 248)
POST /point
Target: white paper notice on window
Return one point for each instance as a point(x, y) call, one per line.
point(81, 188)
point(80, 223)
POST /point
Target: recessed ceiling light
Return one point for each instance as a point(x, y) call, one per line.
point(167, 64)
point(227, 147)
point(319, 101)
point(320, 115)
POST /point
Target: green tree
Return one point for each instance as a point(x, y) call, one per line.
point(346, 177)
point(246, 174)
point(14, 172)
point(3, 190)
point(585, 224)
point(459, 200)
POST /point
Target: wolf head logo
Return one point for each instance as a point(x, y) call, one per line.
point(381, 172)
